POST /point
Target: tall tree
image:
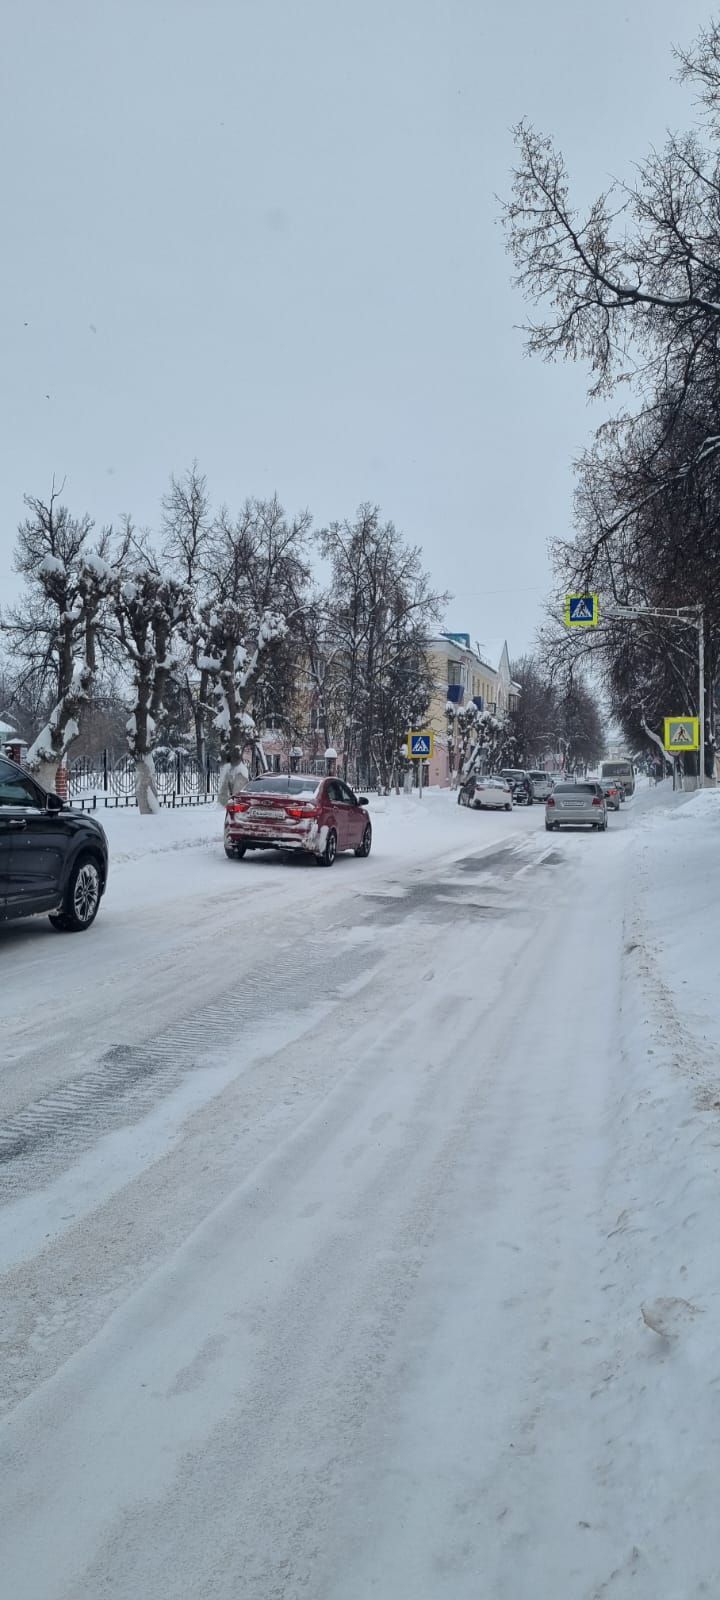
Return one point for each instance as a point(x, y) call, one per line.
point(255, 575)
point(151, 608)
point(53, 631)
point(536, 722)
point(186, 531)
point(632, 288)
point(380, 613)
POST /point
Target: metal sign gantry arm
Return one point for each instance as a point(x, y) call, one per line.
point(690, 617)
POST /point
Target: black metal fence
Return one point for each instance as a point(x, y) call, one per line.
point(106, 781)
point(109, 780)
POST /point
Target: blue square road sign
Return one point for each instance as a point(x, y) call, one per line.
point(582, 610)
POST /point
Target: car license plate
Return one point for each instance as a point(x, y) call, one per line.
point(265, 811)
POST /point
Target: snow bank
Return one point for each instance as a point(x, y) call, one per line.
point(179, 855)
point(677, 852)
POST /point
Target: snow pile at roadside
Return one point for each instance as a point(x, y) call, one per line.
point(402, 825)
point(661, 1266)
point(679, 864)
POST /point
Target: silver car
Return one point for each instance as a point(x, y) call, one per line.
point(542, 785)
point(574, 804)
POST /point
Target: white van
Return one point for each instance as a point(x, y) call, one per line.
point(621, 771)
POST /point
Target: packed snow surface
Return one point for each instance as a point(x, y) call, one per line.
point(360, 1227)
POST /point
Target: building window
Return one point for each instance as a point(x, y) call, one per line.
point(454, 672)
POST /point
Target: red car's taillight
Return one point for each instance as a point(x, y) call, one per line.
point(550, 801)
point(302, 811)
point(233, 806)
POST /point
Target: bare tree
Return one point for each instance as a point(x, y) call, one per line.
point(632, 288)
point(186, 530)
point(380, 612)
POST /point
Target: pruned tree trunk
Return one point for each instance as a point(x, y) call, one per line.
point(150, 610)
point(199, 717)
point(79, 609)
point(62, 727)
point(146, 793)
point(235, 675)
point(141, 736)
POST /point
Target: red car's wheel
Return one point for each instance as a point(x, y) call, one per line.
point(366, 846)
point(328, 855)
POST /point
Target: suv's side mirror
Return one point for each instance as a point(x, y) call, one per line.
point(53, 803)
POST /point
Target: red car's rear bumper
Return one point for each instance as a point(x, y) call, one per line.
point(305, 835)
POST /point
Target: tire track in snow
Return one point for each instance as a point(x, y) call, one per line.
point(128, 1080)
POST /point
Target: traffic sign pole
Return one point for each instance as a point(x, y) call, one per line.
point(701, 697)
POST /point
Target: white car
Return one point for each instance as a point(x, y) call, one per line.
point(486, 794)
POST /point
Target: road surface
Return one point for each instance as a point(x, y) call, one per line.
point(311, 1275)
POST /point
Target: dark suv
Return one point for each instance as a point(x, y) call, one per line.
point(52, 859)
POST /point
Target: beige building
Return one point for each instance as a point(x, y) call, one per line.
point(460, 674)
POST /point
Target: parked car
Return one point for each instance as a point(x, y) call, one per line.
point(542, 784)
point(611, 791)
point(571, 804)
point(520, 784)
point(53, 860)
point(486, 794)
point(294, 811)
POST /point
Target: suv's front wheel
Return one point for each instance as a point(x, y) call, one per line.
point(82, 898)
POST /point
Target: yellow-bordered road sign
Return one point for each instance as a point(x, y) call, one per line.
point(582, 610)
point(420, 746)
point(681, 733)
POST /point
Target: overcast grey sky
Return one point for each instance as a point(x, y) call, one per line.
point(263, 233)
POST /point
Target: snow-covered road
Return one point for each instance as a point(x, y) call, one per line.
point(332, 1204)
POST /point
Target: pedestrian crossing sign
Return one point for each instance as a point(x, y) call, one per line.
point(420, 746)
point(681, 733)
point(582, 610)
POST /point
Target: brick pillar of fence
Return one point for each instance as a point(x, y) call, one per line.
point(61, 782)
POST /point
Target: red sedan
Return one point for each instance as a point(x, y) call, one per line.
point(281, 811)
